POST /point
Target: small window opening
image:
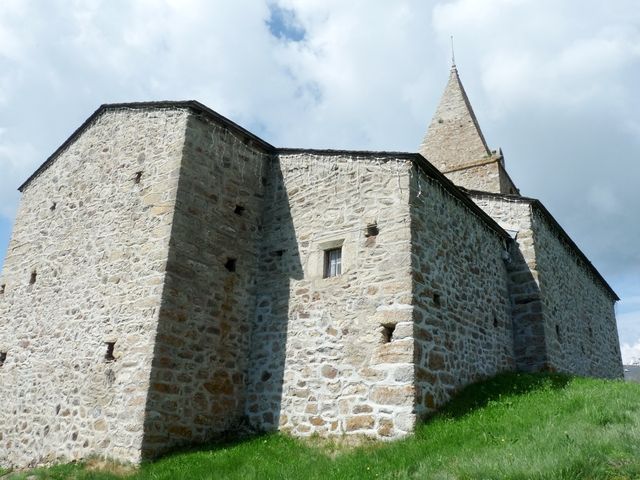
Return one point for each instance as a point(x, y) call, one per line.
point(53, 206)
point(3, 357)
point(582, 348)
point(387, 332)
point(2, 289)
point(230, 264)
point(495, 321)
point(239, 210)
point(436, 300)
point(372, 230)
point(279, 253)
point(332, 262)
point(109, 355)
point(590, 332)
point(138, 177)
point(34, 276)
point(558, 333)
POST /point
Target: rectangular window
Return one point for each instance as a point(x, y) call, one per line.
point(332, 262)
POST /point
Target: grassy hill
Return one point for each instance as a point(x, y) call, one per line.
point(514, 426)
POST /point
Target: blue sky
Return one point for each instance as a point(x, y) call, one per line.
point(552, 83)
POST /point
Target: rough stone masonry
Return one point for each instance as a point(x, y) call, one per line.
point(171, 276)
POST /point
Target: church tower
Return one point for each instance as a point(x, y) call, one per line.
point(455, 144)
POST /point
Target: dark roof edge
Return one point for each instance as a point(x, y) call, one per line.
point(198, 107)
point(421, 163)
point(193, 105)
point(535, 203)
point(359, 153)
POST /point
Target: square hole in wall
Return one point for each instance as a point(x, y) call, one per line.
point(230, 264)
point(388, 330)
point(372, 230)
point(239, 210)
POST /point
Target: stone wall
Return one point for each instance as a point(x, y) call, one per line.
point(334, 355)
point(85, 267)
point(461, 311)
point(563, 315)
point(579, 317)
point(202, 346)
point(514, 215)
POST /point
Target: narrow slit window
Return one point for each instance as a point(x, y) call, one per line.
point(332, 262)
point(559, 337)
point(138, 177)
point(3, 358)
point(34, 276)
point(109, 355)
point(2, 289)
point(436, 300)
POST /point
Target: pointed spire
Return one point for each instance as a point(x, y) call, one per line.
point(454, 137)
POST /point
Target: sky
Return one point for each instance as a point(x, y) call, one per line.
point(554, 83)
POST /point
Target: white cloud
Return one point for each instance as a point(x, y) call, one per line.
point(552, 82)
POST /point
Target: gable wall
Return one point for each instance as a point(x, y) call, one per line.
point(100, 257)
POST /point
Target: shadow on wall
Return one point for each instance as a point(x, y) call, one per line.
point(233, 249)
point(528, 326)
point(279, 264)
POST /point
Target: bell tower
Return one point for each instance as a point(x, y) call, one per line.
point(455, 144)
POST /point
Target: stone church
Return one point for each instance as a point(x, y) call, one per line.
point(171, 276)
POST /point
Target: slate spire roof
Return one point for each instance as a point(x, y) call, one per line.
point(454, 137)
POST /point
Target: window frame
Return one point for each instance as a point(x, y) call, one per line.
point(332, 262)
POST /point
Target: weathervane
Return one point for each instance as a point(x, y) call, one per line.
point(453, 54)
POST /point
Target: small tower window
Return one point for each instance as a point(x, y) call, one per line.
point(332, 262)
point(558, 336)
point(3, 357)
point(137, 177)
point(34, 276)
point(2, 289)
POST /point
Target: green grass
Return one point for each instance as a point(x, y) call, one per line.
point(514, 426)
